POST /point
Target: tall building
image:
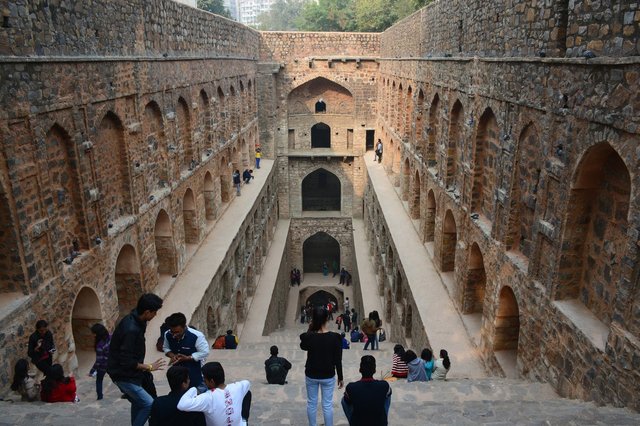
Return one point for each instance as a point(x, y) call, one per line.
point(232, 7)
point(249, 10)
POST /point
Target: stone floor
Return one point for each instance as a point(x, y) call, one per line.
point(457, 401)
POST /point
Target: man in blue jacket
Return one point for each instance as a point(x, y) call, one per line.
point(126, 365)
point(187, 347)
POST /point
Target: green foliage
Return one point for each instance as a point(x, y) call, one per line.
point(355, 15)
point(283, 16)
point(327, 15)
point(214, 6)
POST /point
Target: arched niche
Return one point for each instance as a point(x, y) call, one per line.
point(485, 162)
point(225, 181)
point(320, 106)
point(456, 135)
point(449, 242)
point(476, 282)
point(212, 322)
point(433, 129)
point(321, 191)
point(128, 280)
point(595, 231)
point(406, 179)
point(153, 131)
point(320, 136)
point(183, 122)
point(304, 98)
point(414, 197)
point(239, 306)
point(317, 249)
point(189, 218)
point(165, 247)
point(430, 217)
point(507, 322)
point(86, 312)
point(65, 188)
point(209, 197)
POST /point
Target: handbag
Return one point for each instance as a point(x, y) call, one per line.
point(383, 336)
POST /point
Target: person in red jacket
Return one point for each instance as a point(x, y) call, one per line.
point(56, 387)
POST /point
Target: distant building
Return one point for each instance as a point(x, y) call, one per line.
point(249, 10)
point(232, 7)
point(188, 2)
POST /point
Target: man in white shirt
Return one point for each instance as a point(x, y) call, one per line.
point(187, 347)
point(222, 404)
point(378, 151)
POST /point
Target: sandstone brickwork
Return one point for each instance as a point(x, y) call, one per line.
point(510, 130)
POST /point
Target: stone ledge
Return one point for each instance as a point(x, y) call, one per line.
point(583, 319)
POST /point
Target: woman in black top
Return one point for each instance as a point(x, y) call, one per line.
point(324, 360)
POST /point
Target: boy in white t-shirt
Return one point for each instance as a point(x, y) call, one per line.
point(222, 404)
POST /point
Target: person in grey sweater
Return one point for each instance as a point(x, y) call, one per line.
point(417, 372)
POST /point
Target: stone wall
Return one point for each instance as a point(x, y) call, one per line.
point(284, 46)
point(544, 233)
point(121, 28)
point(516, 28)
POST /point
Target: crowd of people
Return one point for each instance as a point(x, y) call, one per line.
point(199, 393)
point(246, 176)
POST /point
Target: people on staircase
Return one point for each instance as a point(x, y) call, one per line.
point(56, 387)
point(416, 371)
point(442, 366)
point(399, 368)
point(367, 402)
point(41, 347)
point(101, 346)
point(276, 368)
point(187, 347)
point(427, 358)
point(230, 340)
point(164, 411)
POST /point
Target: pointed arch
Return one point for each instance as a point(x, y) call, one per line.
point(189, 218)
point(86, 312)
point(65, 185)
point(449, 243)
point(128, 279)
point(321, 190)
point(507, 322)
point(433, 132)
point(595, 238)
point(484, 165)
point(414, 197)
point(430, 217)
point(320, 135)
point(319, 248)
point(157, 174)
point(456, 134)
point(209, 197)
point(165, 246)
point(476, 282)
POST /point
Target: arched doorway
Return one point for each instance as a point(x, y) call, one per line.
point(430, 217)
point(239, 307)
point(225, 180)
point(449, 241)
point(406, 177)
point(189, 219)
point(209, 197)
point(473, 294)
point(321, 298)
point(408, 320)
point(165, 248)
point(128, 281)
point(86, 312)
point(321, 191)
point(414, 197)
point(507, 322)
point(317, 249)
point(320, 136)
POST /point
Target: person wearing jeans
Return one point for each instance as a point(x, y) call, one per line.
point(324, 360)
point(126, 365)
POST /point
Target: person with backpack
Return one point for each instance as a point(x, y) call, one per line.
point(276, 368)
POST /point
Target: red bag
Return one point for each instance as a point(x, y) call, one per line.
point(218, 343)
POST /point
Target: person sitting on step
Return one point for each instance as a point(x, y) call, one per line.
point(367, 402)
point(276, 368)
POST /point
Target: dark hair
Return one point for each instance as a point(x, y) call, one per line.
point(20, 372)
point(101, 333)
point(177, 375)
point(409, 356)
point(229, 332)
point(213, 371)
point(176, 320)
point(54, 376)
point(445, 359)
point(342, 334)
point(426, 354)
point(274, 350)
point(149, 302)
point(318, 318)
point(41, 323)
point(398, 350)
point(367, 366)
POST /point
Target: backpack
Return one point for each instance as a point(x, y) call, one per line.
point(275, 373)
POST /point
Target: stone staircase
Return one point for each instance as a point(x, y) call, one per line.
point(458, 401)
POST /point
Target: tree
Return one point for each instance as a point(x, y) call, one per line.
point(214, 6)
point(327, 15)
point(283, 16)
point(374, 15)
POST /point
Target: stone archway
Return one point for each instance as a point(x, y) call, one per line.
point(507, 322)
point(212, 322)
point(406, 177)
point(430, 217)
point(449, 242)
point(321, 298)
point(320, 136)
point(165, 247)
point(128, 280)
point(318, 248)
point(239, 306)
point(86, 312)
point(476, 282)
point(209, 197)
point(414, 197)
point(321, 191)
point(189, 219)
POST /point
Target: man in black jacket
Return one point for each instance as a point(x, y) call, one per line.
point(367, 402)
point(164, 411)
point(126, 365)
point(276, 368)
